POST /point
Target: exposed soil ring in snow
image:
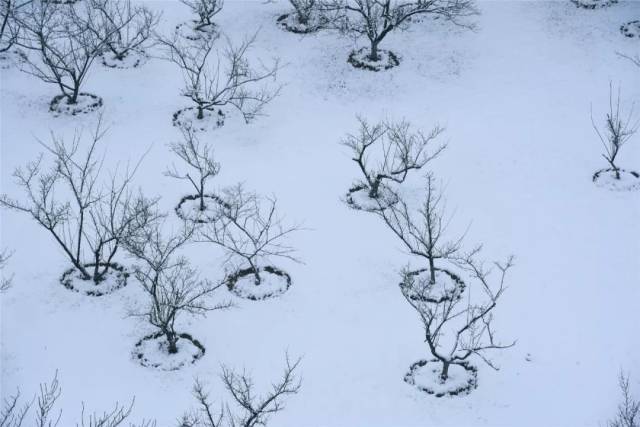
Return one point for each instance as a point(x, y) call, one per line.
point(360, 59)
point(274, 284)
point(593, 4)
point(358, 198)
point(190, 32)
point(189, 208)
point(289, 22)
point(631, 29)
point(133, 59)
point(61, 1)
point(151, 351)
point(606, 178)
point(86, 103)
point(187, 118)
point(115, 279)
point(448, 286)
point(425, 376)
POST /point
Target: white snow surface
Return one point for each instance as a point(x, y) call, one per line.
point(515, 96)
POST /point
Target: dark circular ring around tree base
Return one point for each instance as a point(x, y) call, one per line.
point(392, 61)
point(446, 297)
point(84, 110)
point(233, 278)
point(213, 197)
point(119, 270)
point(354, 205)
point(595, 5)
point(472, 383)
point(139, 356)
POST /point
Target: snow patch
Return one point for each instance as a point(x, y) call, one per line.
point(114, 279)
point(189, 208)
point(290, 22)
point(606, 178)
point(274, 283)
point(594, 4)
point(152, 351)
point(187, 118)
point(358, 198)
point(133, 59)
point(85, 103)
point(425, 375)
point(417, 286)
point(360, 59)
point(630, 29)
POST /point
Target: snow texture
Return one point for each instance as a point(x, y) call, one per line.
point(386, 59)
point(187, 118)
point(594, 4)
point(606, 178)
point(190, 32)
point(358, 198)
point(115, 278)
point(86, 103)
point(425, 375)
point(290, 22)
point(189, 208)
point(152, 351)
point(446, 287)
point(631, 29)
point(133, 59)
point(274, 282)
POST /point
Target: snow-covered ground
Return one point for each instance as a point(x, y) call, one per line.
point(515, 97)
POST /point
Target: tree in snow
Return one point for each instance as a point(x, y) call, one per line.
point(251, 232)
point(5, 281)
point(629, 409)
point(205, 10)
point(199, 157)
point(375, 19)
point(619, 127)
point(9, 25)
point(130, 27)
point(43, 407)
point(66, 40)
point(457, 328)
point(215, 77)
point(90, 224)
point(386, 152)
point(252, 410)
point(173, 287)
point(424, 236)
point(307, 16)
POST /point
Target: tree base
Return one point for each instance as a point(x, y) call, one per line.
point(187, 118)
point(448, 286)
point(358, 198)
point(115, 279)
point(133, 59)
point(631, 29)
point(189, 208)
point(275, 283)
point(360, 59)
point(152, 351)
point(289, 22)
point(606, 178)
point(189, 31)
point(593, 4)
point(425, 376)
point(86, 103)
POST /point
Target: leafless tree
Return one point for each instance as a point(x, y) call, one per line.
point(457, 328)
point(131, 27)
point(305, 9)
point(5, 281)
point(398, 150)
point(205, 10)
point(375, 19)
point(619, 127)
point(67, 40)
point(250, 230)
point(14, 413)
point(423, 236)
point(215, 77)
point(90, 224)
point(9, 25)
point(254, 410)
point(172, 285)
point(198, 156)
point(629, 409)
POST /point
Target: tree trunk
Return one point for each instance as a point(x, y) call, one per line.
point(172, 340)
point(200, 115)
point(201, 191)
point(374, 190)
point(373, 54)
point(73, 99)
point(432, 271)
point(444, 374)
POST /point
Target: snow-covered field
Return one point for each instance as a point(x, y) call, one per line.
point(515, 98)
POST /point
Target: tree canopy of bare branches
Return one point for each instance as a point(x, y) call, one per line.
point(424, 236)
point(199, 157)
point(90, 224)
point(66, 41)
point(249, 230)
point(458, 328)
point(628, 414)
point(205, 10)
point(397, 150)
point(247, 409)
point(375, 19)
point(9, 25)
point(217, 77)
point(130, 26)
point(619, 127)
point(172, 285)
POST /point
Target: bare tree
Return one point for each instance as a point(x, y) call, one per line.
point(399, 151)
point(249, 230)
point(14, 413)
point(619, 127)
point(92, 223)
point(5, 281)
point(9, 25)
point(629, 409)
point(172, 285)
point(206, 10)
point(131, 27)
point(216, 77)
point(457, 328)
point(198, 156)
point(424, 236)
point(254, 410)
point(375, 19)
point(67, 40)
